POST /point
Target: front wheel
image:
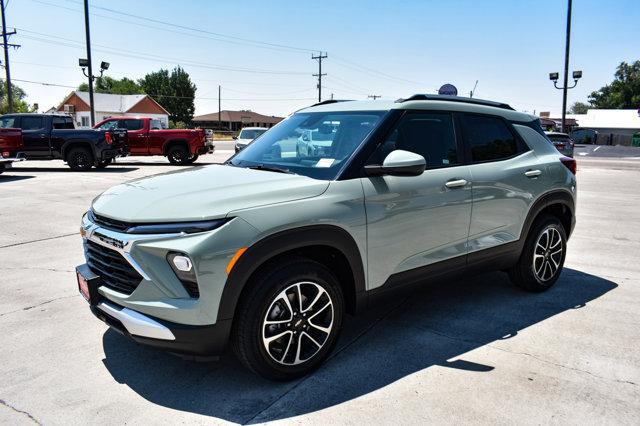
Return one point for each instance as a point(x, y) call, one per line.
point(289, 321)
point(80, 159)
point(542, 257)
point(178, 155)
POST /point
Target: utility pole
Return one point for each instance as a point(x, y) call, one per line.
point(320, 57)
point(6, 46)
point(88, 32)
point(566, 68)
point(374, 97)
point(219, 110)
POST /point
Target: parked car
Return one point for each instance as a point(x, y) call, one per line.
point(7, 163)
point(584, 136)
point(247, 135)
point(148, 137)
point(562, 142)
point(51, 137)
point(270, 250)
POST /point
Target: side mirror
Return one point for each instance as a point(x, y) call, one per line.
point(234, 137)
point(398, 163)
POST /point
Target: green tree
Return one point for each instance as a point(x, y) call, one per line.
point(19, 104)
point(623, 92)
point(106, 84)
point(174, 91)
point(579, 108)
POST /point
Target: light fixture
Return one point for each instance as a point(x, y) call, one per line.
point(553, 76)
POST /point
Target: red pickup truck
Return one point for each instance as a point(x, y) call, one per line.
point(147, 137)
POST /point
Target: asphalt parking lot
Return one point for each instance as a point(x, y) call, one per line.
point(469, 351)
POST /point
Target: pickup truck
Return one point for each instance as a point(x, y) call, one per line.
point(147, 137)
point(53, 137)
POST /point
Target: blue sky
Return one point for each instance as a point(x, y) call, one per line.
point(389, 48)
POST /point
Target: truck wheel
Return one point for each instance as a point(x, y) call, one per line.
point(80, 159)
point(192, 159)
point(1, 168)
point(103, 163)
point(178, 155)
point(289, 320)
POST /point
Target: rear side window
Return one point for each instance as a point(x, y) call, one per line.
point(62, 122)
point(31, 123)
point(8, 123)
point(133, 124)
point(428, 134)
point(488, 138)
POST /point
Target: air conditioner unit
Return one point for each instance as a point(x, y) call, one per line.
point(69, 109)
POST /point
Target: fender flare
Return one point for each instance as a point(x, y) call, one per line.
point(558, 196)
point(75, 142)
point(168, 144)
point(284, 241)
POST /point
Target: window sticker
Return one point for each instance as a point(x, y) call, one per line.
point(325, 162)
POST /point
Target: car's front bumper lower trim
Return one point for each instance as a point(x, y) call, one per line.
point(136, 323)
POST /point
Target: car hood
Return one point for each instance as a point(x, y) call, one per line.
point(244, 141)
point(202, 193)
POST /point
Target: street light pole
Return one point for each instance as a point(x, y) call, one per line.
point(86, 28)
point(566, 68)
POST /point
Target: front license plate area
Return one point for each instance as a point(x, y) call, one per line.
point(88, 284)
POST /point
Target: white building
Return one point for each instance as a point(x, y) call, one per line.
point(108, 105)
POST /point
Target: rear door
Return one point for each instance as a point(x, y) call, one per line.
point(35, 135)
point(506, 176)
point(417, 221)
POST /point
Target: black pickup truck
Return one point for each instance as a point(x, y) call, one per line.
point(51, 137)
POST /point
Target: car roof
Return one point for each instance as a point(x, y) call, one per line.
point(433, 102)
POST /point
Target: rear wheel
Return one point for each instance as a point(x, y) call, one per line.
point(103, 163)
point(542, 257)
point(80, 159)
point(289, 321)
point(178, 155)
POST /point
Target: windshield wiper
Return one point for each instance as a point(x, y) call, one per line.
point(271, 169)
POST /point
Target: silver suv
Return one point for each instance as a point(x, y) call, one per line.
point(270, 250)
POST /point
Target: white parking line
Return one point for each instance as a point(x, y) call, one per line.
point(596, 148)
point(224, 151)
point(583, 153)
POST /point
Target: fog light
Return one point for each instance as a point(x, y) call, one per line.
point(182, 263)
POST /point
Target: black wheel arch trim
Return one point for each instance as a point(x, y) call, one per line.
point(70, 144)
point(282, 242)
point(173, 142)
point(557, 196)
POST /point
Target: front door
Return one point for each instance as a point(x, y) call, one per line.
point(35, 136)
point(417, 221)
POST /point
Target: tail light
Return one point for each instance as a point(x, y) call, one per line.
point(570, 163)
point(6, 154)
point(107, 138)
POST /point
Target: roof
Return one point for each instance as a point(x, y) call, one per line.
point(608, 119)
point(238, 116)
point(556, 134)
point(442, 104)
point(108, 102)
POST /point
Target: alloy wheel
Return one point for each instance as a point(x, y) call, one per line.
point(298, 323)
point(547, 254)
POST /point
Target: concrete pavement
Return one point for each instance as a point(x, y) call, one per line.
point(470, 351)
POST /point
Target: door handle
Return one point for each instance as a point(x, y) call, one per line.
point(532, 173)
point(456, 183)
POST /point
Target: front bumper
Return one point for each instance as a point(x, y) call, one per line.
point(202, 341)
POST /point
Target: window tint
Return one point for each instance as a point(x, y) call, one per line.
point(428, 134)
point(60, 122)
point(109, 125)
point(31, 123)
point(7, 122)
point(133, 124)
point(488, 138)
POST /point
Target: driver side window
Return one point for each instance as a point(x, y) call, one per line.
point(431, 135)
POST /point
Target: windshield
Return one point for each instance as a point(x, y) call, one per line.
point(250, 133)
point(311, 144)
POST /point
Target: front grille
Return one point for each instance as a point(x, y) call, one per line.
point(112, 224)
point(114, 270)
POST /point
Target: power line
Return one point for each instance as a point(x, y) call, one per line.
point(320, 57)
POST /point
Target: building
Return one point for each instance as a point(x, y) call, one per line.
point(234, 120)
point(107, 105)
point(614, 126)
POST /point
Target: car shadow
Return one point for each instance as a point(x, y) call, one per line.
point(429, 328)
point(13, 178)
point(110, 169)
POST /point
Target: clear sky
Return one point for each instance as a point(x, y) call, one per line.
point(260, 51)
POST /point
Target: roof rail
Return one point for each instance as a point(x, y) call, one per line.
point(424, 97)
point(331, 101)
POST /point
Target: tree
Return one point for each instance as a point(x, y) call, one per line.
point(174, 91)
point(19, 104)
point(623, 92)
point(579, 108)
point(106, 84)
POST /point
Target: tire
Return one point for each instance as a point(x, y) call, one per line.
point(255, 342)
point(542, 257)
point(1, 168)
point(103, 163)
point(193, 159)
point(178, 155)
point(80, 159)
